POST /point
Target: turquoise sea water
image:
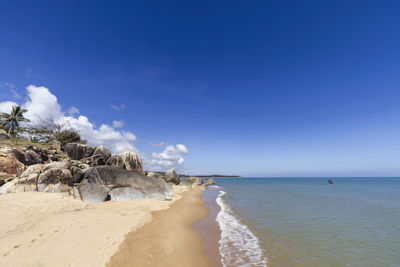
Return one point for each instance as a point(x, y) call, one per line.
point(308, 222)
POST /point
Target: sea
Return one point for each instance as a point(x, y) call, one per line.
point(308, 222)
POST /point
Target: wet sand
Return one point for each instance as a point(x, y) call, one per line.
point(169, 239)
point(208, 228)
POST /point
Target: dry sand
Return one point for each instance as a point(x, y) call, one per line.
point(169, 239)
point(47, 229)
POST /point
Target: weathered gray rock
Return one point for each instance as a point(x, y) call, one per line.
point(125, 194)
point(155, 175)
point(195, 181)
point(115, 160)
point(49, 178)
point(132, 161)
point(54, 145)
point(27, 158)
point(4, 135)
point(172, 177)
point(78, 151)
point(103, 152)
point(91, 192)
point(113, 177)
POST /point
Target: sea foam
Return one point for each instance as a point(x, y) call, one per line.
point(238, 245)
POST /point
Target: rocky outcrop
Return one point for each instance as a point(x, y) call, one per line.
point(172, 177)
point(209, 181)
point(194, 181)
point(114, 177)
point(51, 177)
point(77, 151)
point(91, 192)
point(132, 161)
point(4, 135)
point(115, 160)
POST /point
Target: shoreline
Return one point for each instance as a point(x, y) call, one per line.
point(169, 239)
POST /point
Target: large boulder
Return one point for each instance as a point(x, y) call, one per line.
point(125, 193)
point(114, 177)
point(172, 177)
point(115, 160)
point(99, 156)
point(28, 158)
point(11, 166)
point(103, 152)
point(55, 180)
point(4, 135)
point(91, 192)
point(132, 161)
point(54, 145)
point(77, 151)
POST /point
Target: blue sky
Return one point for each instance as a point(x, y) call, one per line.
point(275, 88)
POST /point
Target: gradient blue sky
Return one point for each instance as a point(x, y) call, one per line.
point(276, 88)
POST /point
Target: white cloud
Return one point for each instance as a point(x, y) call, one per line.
point(171, 157)
point(156, 145)
point(7, 106)
point(12, 88)
point(118, 124)
point(73, 111)
point(117, 107)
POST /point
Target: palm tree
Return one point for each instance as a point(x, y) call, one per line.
point(13, 119)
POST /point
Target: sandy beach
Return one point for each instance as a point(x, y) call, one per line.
point(169, 239)
point(49, 229)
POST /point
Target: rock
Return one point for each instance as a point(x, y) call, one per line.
point(27, 181)
point(54, 176)
point(155, 175)
point(172, 177)
point(27, 158)
point(11, 166)
point(195, 181)
point(103, 152)
point(4, 135)
point(54, 145)
point(92, 192)
point(125, 194)
point(113, 177)
point(132, 161)
point(115, 160)
point(209, 181)
point(77, 151)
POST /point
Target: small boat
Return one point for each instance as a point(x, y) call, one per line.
point(330, 181)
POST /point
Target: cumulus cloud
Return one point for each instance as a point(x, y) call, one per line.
point(118, 124)
point(7, 106)
point(171, 157)
point(73, 111)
